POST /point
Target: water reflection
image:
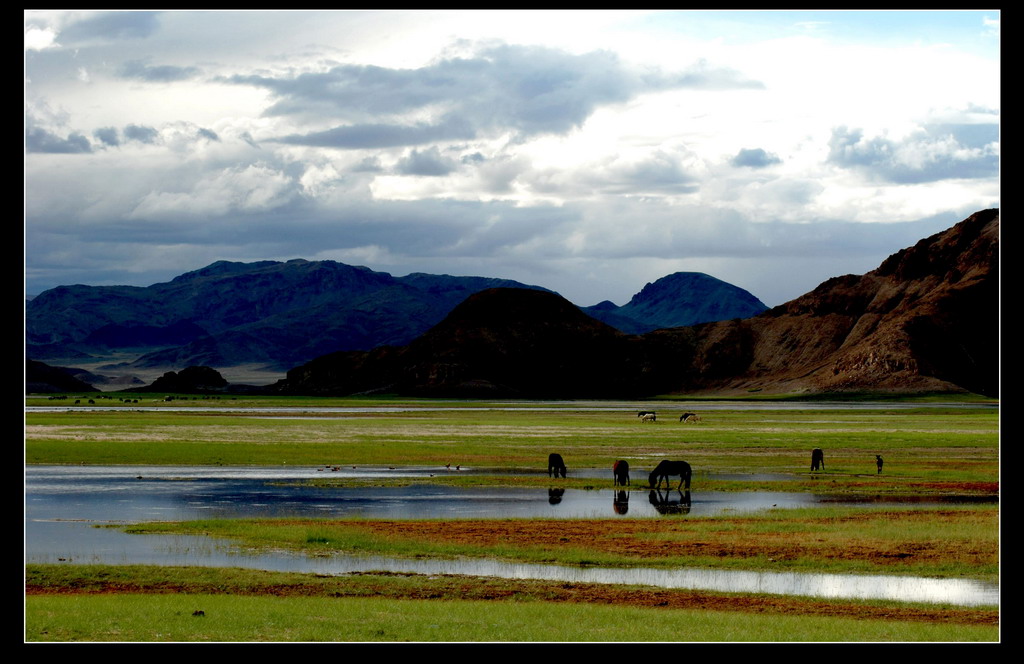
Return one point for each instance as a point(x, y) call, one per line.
point(667, 503)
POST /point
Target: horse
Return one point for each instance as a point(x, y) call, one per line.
point(648, 417)
point(641, 413)
point(666, 468)
point(817, 459)
point(878, 462)
point(555, 465)
point(688, 417)
point(620, 469)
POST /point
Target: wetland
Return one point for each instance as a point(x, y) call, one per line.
point(272, 488)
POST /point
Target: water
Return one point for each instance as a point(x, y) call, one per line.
point(63, 504)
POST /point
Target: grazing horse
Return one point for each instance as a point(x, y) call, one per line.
point(666, 468)
point(620, 469)
point(641, 413)
point(648, 417)
point(555, 465)
point(688, 417)
point(878, 462)
point(817, 459)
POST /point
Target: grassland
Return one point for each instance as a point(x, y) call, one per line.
point(929, 450)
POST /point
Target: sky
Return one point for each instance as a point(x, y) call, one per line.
point(587, 151)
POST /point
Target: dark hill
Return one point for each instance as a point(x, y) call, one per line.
point(190, 380)
point(499, 342)
point(41, 377)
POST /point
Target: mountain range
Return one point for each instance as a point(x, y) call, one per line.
point(927, 319)
point(281, 314)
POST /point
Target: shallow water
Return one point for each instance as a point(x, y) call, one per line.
point(63, 504)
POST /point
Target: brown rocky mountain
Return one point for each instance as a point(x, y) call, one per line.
point(926, 320)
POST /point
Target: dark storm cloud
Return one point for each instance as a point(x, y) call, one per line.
point(528, 90)
point(41, 140)
point(111, 25)
point(755, 158)
point(140, 71)
point(936, 152)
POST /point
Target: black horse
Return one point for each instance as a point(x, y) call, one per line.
point(817, 459)
point(666, 468)
point(878, 462)
point(555, 465)
point(620, 469)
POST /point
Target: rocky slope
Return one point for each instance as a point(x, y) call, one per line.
point(926, 319)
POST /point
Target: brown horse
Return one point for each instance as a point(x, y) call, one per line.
point(620, 469)
point(666, 468)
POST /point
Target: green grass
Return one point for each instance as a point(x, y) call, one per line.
point(920, 446)
point(155, 618)
point(161, 604)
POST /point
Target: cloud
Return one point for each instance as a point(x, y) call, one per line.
point(41, 140)
point(111, 26)
point(254, 188)
point(141, 134)
point(107, 136)
point(525, 90)
point(755, 158)
point(932, 153)
point(383, 135)
point(428, 162)
point(140, 71)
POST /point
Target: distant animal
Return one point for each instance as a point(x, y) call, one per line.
point(688, 417)
point(620, 469)
point(641, 413)
point(555, 465)
point(817, 459)
point(878, 462)
point(648, 417)
point(667, 468)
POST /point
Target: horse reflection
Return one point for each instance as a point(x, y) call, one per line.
point(555, 496)
point(664, 504)
point(620, 502)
